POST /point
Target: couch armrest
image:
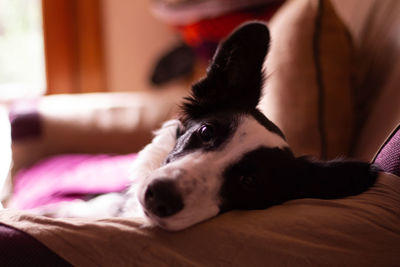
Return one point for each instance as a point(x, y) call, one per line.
point(87, 123)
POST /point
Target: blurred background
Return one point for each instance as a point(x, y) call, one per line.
point(22, 69)
point(52, 47)
point(72, 46)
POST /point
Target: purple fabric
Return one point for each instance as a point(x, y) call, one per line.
point(67, 177)
point(25, 120)
point(388, 157)
point(20, 249)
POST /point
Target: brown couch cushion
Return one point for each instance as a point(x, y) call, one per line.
point(375, 27)
point(354, 231)
point(308, 90)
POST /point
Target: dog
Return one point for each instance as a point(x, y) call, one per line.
point(223, 153)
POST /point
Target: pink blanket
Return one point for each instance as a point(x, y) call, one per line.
point(68, 177)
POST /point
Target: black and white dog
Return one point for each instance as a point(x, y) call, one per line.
point(223, 153)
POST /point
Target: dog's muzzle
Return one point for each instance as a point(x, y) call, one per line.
point(162, 198)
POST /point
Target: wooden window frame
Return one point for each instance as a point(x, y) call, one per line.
point(73, 44)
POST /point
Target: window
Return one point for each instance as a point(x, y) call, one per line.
point(50, 46)
point(22, 70)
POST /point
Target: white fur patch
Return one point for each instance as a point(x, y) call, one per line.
point(198, 175)
point(150, 158)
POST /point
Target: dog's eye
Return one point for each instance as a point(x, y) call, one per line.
point(248, 181)
point(206, 133)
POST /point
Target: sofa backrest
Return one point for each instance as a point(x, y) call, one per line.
point(375, 27)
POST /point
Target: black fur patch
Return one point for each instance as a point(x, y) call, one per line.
point(270, 176)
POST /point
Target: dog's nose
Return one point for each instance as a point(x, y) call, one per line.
point(162, 198)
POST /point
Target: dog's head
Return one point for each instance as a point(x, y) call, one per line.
point(228, 155)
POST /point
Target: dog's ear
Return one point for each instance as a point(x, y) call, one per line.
point(235, 77)
point(328, 179)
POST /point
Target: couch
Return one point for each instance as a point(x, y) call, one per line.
point(332, 81)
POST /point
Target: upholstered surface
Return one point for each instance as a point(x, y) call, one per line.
point(388, 156)
point(354, 231)
point(18, 249)
point(308, 90)
point(375, 28)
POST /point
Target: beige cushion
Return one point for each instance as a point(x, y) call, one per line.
point(94, 123)
point(355, 231)
point(308, 91)
point(383, 119)
point(97, 123)
point(375, 26)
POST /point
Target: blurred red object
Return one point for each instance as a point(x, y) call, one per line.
point(212, 30)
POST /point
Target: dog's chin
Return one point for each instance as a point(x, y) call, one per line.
point(164, 223)
point(179, 221)
point(168, 224)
